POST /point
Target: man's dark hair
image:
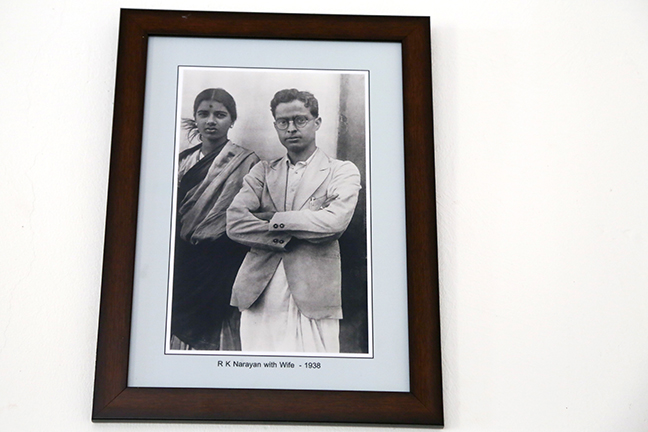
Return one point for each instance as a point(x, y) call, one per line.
point(289, 95)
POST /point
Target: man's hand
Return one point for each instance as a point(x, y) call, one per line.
point(328, 201)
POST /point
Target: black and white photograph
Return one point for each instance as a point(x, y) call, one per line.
point(271, 231)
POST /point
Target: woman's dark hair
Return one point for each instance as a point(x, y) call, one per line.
point(211, 94)
point(218, 95)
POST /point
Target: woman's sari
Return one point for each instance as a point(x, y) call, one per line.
point(206, 260)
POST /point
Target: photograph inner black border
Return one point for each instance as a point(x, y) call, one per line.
point(253, 129)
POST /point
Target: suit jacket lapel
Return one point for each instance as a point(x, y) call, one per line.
point(276, 183)
point(315, 174)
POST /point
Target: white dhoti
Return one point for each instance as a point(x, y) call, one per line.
point(274, 323)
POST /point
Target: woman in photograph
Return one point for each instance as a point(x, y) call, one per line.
point(206, 261)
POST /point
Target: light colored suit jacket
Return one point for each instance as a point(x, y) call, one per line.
point(304, 237)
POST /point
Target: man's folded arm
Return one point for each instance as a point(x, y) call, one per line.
point(329, 222)
point(246, 228)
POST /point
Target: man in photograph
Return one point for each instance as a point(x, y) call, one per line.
point(291, 212)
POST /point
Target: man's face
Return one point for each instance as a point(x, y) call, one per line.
point(298, 138)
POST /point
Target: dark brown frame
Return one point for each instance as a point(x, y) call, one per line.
point(113, 399)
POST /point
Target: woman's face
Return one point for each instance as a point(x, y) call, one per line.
point(213, 120)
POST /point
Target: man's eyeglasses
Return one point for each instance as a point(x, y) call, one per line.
point(298, 121)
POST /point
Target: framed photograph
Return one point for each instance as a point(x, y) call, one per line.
point(270, 250)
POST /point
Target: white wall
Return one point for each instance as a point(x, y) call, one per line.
point(541, 129)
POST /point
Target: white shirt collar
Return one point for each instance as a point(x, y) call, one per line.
point(306, 162)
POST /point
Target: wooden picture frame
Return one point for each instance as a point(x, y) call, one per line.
point(113, 398)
